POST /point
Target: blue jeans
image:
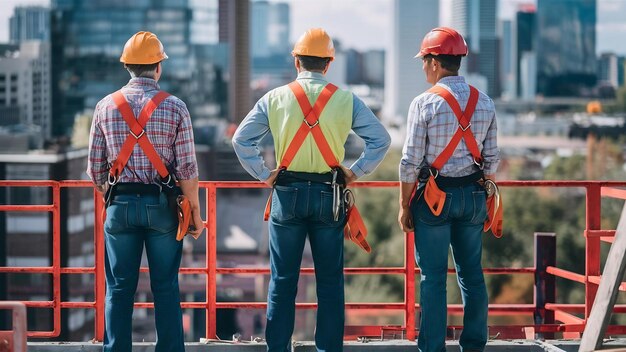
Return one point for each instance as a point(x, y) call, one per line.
point(460, 226)
point(132, 221)
point(297, 210)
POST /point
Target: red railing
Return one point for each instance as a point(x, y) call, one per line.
point(571, 325)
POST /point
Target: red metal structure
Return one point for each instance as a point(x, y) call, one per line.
point(569, 318)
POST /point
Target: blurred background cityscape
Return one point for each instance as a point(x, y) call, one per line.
point(555, 68)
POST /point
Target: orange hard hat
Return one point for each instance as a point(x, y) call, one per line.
point(443, 41)
point(314, 42)
point(143, 48)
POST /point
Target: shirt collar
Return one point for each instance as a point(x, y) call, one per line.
point(452, 80)
point(143, 83)
point(311, 75)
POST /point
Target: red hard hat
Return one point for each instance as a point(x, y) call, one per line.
point(443, 41)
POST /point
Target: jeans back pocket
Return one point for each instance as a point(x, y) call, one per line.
point(284, 203)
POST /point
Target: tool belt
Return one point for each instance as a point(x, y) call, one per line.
point(286, 177)
point(435, 197)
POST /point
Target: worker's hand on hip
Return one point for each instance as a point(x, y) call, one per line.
point(197, 223)
point(272, 179)
point(349, 176)
point(405, 219)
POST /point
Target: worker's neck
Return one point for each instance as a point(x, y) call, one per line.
point(446, 74)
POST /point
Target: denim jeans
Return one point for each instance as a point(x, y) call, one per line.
point(298, 210)
point(458, 226)
point(132, 221)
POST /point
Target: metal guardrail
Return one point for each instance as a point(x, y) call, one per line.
point(549, 316)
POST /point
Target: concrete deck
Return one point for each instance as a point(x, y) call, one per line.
point(370, 346)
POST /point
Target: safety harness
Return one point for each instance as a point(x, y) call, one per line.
point(137, 135)
point(433, 195)
point(354, 229)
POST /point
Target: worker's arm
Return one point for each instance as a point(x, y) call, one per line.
point(367, 126)
point(412, 157)
point(186, 166)
point(97, 160)
point(246, 142)
point(490, 152)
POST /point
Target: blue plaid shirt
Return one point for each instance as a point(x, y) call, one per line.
point(431, 124)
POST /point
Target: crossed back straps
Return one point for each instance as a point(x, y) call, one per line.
point(310, 124)
point(464, 132)
point(137, 134)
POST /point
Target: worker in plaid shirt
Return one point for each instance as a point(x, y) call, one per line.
point(459, 176)
point(140, 208)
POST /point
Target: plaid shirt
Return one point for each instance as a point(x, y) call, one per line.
point(431, 125)
point(169, 130)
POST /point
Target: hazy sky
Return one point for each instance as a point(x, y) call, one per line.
point(365, 24)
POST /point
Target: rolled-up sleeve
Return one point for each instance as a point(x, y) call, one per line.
point(247, 137)
point(186, 166)
point(97, 165)
point(415, 144)
point(490, 152)
point(377, 140)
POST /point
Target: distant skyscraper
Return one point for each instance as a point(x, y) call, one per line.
point(621, 71)
point(525, 30)
point(476, 20)
point(239, 96)
point(404, 78)
point(87, 40)
point(29, 23)
point(374, 67)
point(270, 29)
point(25, 86)
point(608, 69)
point(507, 60)
point(566, 31)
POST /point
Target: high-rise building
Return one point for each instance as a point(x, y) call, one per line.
point(374, 67)
point(239, 96)
point(621, 71)
point(566, 41)
point(29, 23)
point(524, 43)
point(476, 21)
point(25, 86)
point(507, 60)
point(87, 40)
point(608, 69)
point(404, 78)
point(270, 23)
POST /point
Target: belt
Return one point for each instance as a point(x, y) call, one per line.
point(286, 177)
point(443, 181)
point(137, 188)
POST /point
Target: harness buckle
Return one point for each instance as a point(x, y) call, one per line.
point(430, 169)
point(137, 136)
point(113, 179)
point(466, 127)
point(480, 164)
point(168, 183)
point(313, 125)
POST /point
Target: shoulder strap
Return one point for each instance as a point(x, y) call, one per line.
point(464, 132)
point(310, 124)
point(137, 133)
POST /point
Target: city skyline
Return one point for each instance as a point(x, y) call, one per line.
point(373, 20)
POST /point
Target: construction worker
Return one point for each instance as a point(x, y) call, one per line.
point(309, 120)
point(447, 155)
point(141, 142)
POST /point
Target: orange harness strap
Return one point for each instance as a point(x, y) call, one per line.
point(137, 134)
point(309, 124)
point(464, 132)
point(354, 229)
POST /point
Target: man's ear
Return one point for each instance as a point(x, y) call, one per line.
point(327, 67)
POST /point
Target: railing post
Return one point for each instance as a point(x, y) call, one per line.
point(545, 284)
point(592, 244)
point(99, 282)
point(56, 259)
point(211, 260)
point(409, 285)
